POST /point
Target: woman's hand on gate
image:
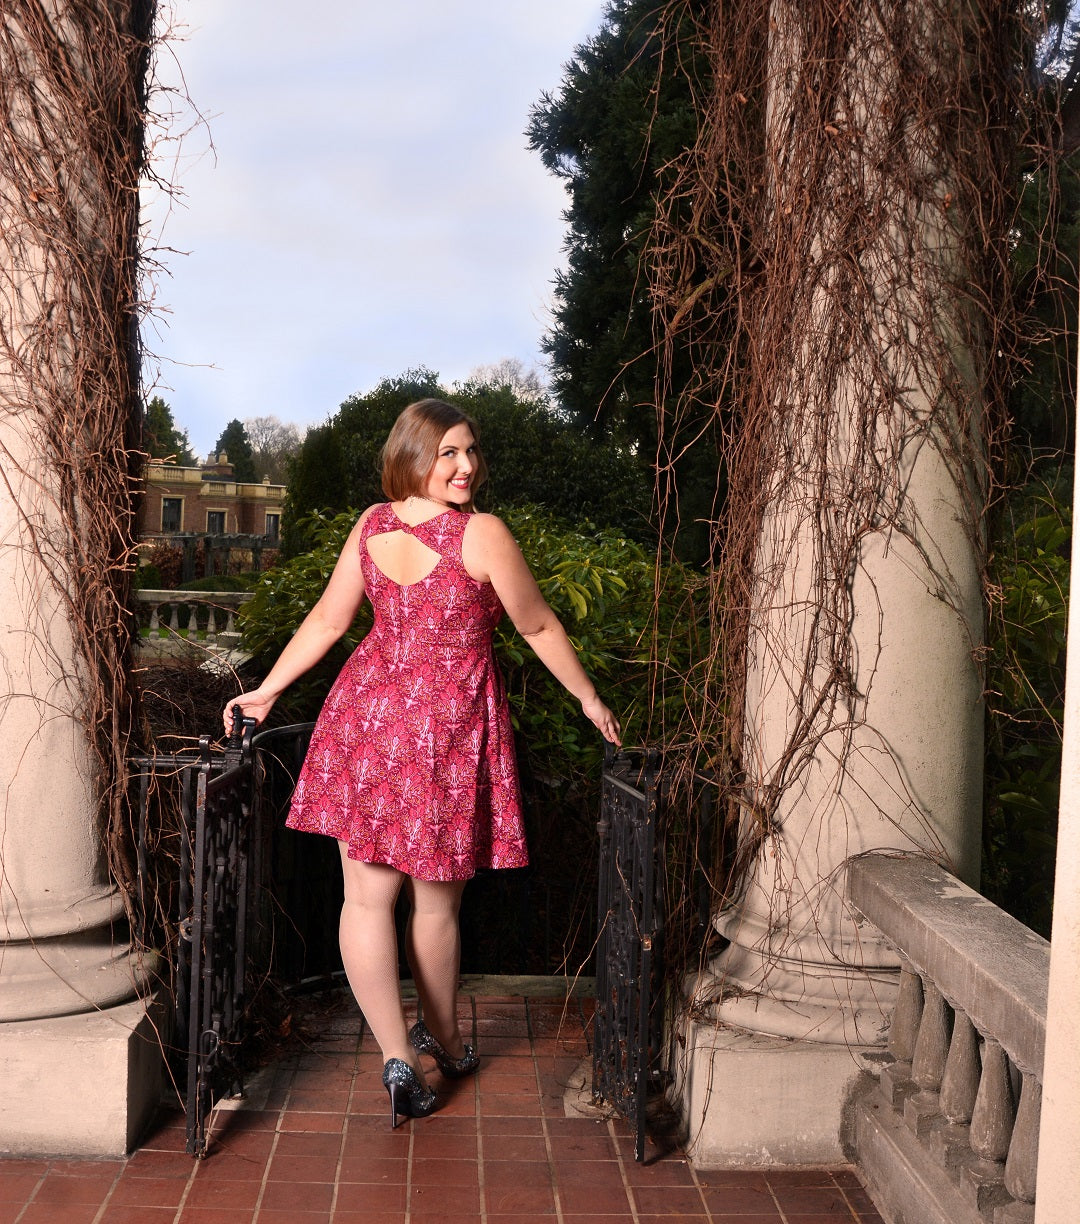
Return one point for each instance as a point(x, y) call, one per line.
point(256, 704)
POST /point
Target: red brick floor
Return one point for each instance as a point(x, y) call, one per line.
point(312, 1144)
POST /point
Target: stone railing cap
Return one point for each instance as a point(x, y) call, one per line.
point(983, 960)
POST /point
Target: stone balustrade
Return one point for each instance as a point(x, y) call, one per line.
point(181, 623)
point(206, 616)
point(951, 1133)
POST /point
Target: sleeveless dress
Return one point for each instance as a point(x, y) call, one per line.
point(412, 758)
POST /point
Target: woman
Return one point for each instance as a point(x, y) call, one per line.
point(411, 764)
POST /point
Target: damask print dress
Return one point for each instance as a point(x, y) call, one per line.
point(412, 758)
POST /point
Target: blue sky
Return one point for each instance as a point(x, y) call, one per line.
point(359, 201)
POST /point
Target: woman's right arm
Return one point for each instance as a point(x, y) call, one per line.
point(324, 625)
point(491, 554)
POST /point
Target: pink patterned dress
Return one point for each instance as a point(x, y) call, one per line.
point(412, 758)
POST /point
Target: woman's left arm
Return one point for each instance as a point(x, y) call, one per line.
point(490, 554)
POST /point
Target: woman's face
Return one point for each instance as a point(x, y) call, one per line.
point(450, 480)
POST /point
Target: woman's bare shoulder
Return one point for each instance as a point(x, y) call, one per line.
point(487, 525)
point(366, 514)
point(487, 533)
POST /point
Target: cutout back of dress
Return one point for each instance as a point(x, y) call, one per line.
point(401, 557)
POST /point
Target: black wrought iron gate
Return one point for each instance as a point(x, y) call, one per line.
point(628, 1026)
point(211, 904)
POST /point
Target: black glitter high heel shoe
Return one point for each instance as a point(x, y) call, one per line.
point(420, 1038)
point(408, 1096)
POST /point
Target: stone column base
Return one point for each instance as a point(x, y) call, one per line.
point(83, 1085)
point(748, 1099)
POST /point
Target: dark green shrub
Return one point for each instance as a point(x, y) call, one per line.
point(1025, 686)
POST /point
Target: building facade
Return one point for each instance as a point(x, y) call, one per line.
point(207, 501)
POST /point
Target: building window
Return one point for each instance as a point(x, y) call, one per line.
point(172, 513)
point(273, 526)
point(215, 522)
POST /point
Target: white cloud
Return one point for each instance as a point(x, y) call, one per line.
point(373, 205)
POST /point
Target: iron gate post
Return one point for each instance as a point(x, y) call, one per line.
point(627, 956)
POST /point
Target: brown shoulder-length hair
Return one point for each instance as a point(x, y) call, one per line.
point(412, 446)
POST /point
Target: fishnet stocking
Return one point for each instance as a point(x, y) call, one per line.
point(433, 947)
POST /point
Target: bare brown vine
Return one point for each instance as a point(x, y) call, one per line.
point(834, 255)
point(72, 114)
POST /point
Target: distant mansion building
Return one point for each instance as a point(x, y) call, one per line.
point(209, 516)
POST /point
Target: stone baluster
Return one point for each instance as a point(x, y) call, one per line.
point(983, 1177)
point(906, 1016)
point(211, 622)
point(960, 1082)
point(230, 620)
point(995, 1111)
point(155, 620)
point(1020, 1166)
point(174, 617)
point(896, 1083)
point(932, 1044)
point(923, 1109)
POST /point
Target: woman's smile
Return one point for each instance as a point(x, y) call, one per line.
point(450, 479)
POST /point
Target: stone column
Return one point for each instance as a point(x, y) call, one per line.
point(80, 1058)
point(863, 713)
point(1055, 1200)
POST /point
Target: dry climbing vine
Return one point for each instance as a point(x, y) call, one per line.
point(833, 255)
point(72, 113)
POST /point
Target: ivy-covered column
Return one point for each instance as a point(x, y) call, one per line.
point(870, 217)
point(78, 1040)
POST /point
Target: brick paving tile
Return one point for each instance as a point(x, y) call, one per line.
point(667, 1170)
point(292, 1216)
point(746, 1217)
point(523, 1201)
point(589, 1173)
point(17, 1187)
point(799, 1177)
point(211, 1192)
point(148, 1163)
point(447, 1200)
point(460, 1146)
point(374, 1170)
point(592, 1197)
point(360, 1197)
point(842, 1216)
point(811, 1200)
point(514, 1147)
point(367, 1217)
point(318, 1149)
point(229, 1165)
point(732, 1199)
point(303, 1168)
point(147, 1192)
point(307, 1145)
point(61, 1190)
point(519, 1173)
point(434, 1172)
point(667, 1200)
point(299, 1120)
point(215, 1215)
point(56, 1213)
point(123, 1214)
point(297, 1196)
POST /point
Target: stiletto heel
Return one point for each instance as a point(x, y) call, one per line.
point(421, 1039)
point(408, 1096)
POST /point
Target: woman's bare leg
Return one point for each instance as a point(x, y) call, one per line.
point(370, 955)
point(433, 947)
